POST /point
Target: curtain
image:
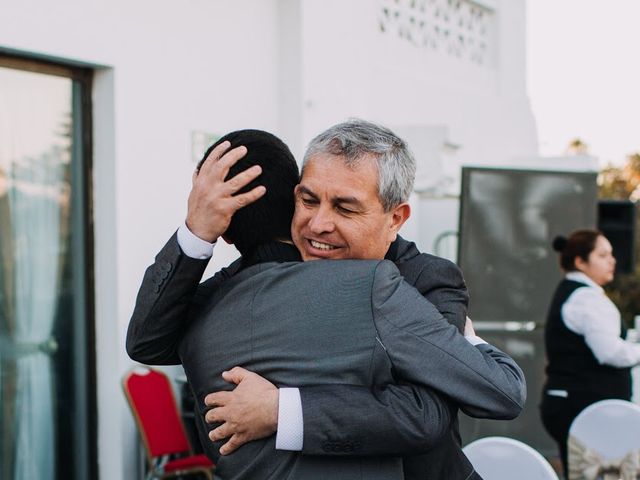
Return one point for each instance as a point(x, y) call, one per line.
point(7, 366)
point(35, 204)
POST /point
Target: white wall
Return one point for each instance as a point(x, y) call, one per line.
point(165, 69)
point(452, 110)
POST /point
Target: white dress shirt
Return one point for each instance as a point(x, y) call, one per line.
point(589, 312)
point(290, 432)
point(192, 245)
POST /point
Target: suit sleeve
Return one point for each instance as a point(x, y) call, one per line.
point(394, 419)
point(441, 283)
point(388, 420)
point(169, 294)
point(425, 350)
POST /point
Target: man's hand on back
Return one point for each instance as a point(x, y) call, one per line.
point(212, 202)
point(469, 331)
point(248, 412)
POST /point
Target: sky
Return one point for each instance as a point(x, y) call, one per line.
point(583, 69)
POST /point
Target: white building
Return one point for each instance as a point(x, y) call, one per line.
point(448, 75)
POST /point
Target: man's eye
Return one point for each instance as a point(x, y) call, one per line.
point(344, 210)
point(308, 200)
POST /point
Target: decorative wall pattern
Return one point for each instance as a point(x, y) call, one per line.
point(459, 28)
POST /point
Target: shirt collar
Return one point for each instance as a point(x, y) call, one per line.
point(582, 278)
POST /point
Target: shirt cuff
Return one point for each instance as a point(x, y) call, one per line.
point(474, 340)
point(193, 246)
point(290, 433)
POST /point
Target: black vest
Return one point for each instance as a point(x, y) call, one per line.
point(571, 364)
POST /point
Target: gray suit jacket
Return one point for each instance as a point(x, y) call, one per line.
point(340, 419)
point(327, 406)
point(345, 322)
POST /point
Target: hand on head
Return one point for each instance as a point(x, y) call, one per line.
point(213, 201)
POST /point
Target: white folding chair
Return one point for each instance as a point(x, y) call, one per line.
point(604, 441)
point(501, 458)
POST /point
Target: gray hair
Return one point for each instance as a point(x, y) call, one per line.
point(355, 139)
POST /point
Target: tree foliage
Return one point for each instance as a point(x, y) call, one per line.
point(623, 183)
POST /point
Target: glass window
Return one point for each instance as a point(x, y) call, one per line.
point(46, 395)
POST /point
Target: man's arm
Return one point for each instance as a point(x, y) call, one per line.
point(391, 420)
point(441, 282)
point(410, 418)
point(168, 298)
point(169, 292)
point(385, 420)
point(437, 279)
point(406, 415)
point(482, 380)
point(163, 302)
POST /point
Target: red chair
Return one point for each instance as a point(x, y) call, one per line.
point(156, 413)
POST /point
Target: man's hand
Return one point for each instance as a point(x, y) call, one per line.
point(469, 331)
point(212, 202)
point(249, 412)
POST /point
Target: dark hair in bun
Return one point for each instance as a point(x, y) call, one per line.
point(579, 244)
point(559, 243)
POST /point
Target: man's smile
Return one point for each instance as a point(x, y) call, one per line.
point(321, 245)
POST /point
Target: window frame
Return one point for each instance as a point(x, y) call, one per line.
point(82, 77)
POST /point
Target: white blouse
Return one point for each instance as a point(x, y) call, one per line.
point(589, 312)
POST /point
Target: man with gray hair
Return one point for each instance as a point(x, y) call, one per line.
point(350, 203)
point(377, 170)
point(352, 200)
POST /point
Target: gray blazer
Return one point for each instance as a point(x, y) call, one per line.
point(341, 322)
point(402, 423)
point(339, 420)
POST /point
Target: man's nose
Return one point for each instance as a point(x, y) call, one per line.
point(321, 221)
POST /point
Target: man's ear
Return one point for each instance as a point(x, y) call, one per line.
point(399, 215)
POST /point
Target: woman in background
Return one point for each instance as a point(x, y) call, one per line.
point(588, 358)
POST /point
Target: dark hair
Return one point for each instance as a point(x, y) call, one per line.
point(579, 244)
point(269, 218)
